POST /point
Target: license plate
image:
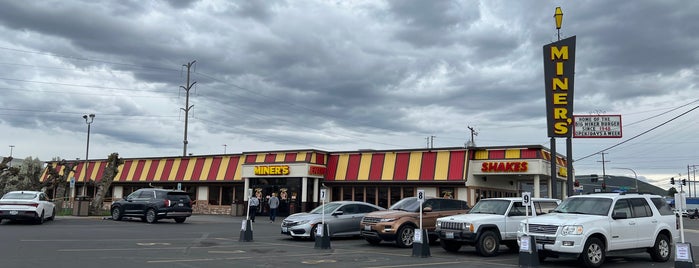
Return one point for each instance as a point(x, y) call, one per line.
point(285, 230)
point(367, 227)
point(180, 204)
point(14, 212)
point(450, 234)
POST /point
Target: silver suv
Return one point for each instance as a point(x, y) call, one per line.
point(490, 223)
point(589, 227)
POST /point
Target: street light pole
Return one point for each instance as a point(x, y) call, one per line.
point(634, 176)
point(91, 118)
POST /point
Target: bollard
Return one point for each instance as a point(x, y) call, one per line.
point(322, 237)
point(246, 231)
point(528, 255)
point(421, 245)
point(684, 258)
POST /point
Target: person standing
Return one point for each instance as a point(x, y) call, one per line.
point(273, 205)
point(254, 204)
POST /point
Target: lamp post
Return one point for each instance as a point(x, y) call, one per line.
point(11, 147)
point(88, 120)
point(634, 176)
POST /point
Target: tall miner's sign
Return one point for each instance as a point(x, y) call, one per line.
point(559, 70)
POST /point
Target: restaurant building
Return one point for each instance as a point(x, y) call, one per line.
point(218, 183)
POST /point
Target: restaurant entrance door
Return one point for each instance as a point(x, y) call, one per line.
point(288, 191)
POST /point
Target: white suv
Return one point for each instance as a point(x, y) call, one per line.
point(490, 223)
point(591, 226)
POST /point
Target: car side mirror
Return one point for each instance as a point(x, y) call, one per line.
point(619, 215)
point(427, 209)
point(339, 212)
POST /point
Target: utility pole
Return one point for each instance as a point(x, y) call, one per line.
point(472, 143)
point(432, 141)
point(604, 172)
point(187, 107)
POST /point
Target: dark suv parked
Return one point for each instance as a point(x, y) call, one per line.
point(153, 204)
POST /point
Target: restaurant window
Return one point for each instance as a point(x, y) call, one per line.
point(346, 193)
point(358, 193)
point(446, 192)
point(336, 194)
point(226, 195)
point(214, 195)
point(395, 196)
point(383, 197)
point(370, 195)
point(408, 192)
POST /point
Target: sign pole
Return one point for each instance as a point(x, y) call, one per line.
point(322, 231)
point(246, 227)
point(528, 255)
point(421, 241)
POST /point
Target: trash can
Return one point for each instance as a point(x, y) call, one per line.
point(81, 206)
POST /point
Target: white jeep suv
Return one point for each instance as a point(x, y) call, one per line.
point(490, 223)
point(591, 226)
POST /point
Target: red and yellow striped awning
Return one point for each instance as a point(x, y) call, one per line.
point(397, 166)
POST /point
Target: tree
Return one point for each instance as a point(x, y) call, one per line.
point(57, 182)
point(110, 172)
point(672, 191)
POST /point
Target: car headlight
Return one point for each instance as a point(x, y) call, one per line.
point(572, 230)
point(522, 227)
point(387, 220)
point(302, 222)
point(439, 224)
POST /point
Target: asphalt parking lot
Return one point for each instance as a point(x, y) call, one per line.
point(213, 241)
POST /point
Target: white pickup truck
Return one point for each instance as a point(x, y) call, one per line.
point(490, 223)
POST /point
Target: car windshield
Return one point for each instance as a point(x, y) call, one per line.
point(592, 206)
point(407, 204)
point(485, 206)
point(328, 208)
point(27, 196)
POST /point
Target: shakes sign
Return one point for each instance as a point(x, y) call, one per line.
point(559, 69)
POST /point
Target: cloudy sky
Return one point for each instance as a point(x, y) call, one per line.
point(345, 75)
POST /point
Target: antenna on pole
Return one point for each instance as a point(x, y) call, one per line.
point(472, 141)
point(187, 107)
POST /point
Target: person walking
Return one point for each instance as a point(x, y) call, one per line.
point(273, 205)
point(254, 204)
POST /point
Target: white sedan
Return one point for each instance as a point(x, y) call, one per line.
point(26, 205)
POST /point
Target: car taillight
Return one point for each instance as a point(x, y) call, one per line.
point(33, 205)
point(167, 202)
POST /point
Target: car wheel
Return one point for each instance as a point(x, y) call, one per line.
point(405, 237)
point(53, 214)
point(150, 216)
point(180, 219)
point(450, 245)
point(373, 241)
point(40, 220)
point(661, 249)
point(116, 214)
point(488, 244)
point(593, 253)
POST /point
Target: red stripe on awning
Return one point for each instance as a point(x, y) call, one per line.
point(401, 171)
point(331, 171)
point(320, 159)
point(153, 169)
point(496, 154)
point(376, 168)
point(457, 165)
point(182, 169)
point(125, 170)
point(429, 160)
point(198, 167)
point(353, 167)
point(100, 171)
point(308, 157)
point(290, 157)
point(232, 167)
point(139, 170)
point(166, 170)
point(529, 153)
point(270, 158)
point(249, 159)
point(213, 172)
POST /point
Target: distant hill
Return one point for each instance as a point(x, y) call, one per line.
point(618, 184)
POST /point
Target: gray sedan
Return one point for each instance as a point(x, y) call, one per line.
point(341, 217)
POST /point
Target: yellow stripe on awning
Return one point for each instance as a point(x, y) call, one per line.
point(513, 154)
point(389, 166)
point(364, 167)
point(301, 157)
point(159, 170)
point(238, 176)
point(175, 168)
point(342, 163)
point(132, 171)
point(260, 158)
point(146, 169)
point(280, 158)
point(190, 169)
point(441, 169)
point(481, 155)
point(414, 166)
point(207, 167)
point(222, 169)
